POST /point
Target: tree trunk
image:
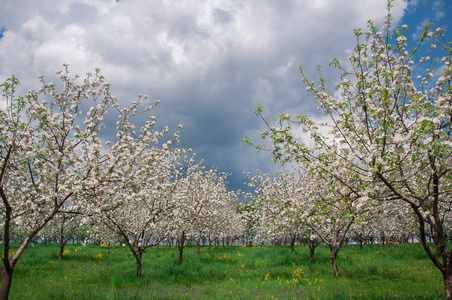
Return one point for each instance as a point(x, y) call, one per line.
point(60, 256)
point(181, 253)
point(139, 269)
point(7, 279)
point(334, 263)
point(292, 244)
point(181, 247)
point(447, 276)
point(312, 244)
point(311, 256)
point(210, 243)
point(199, 245)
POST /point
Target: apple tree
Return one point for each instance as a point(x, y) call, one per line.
point(51, 155)
point(390, 121)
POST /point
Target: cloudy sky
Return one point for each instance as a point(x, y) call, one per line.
point(209, 62)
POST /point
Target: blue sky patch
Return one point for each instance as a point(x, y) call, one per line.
point(2, 30)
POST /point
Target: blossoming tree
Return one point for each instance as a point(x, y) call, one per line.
point(136, 202)
point(64, 226)
point(276, 204)
point(300, 201)
point(51, 156)
point(204, 206)
point(392, 121)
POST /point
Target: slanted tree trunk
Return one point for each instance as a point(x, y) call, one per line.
point(440, 241)
point(7, 269)
point(9, 264)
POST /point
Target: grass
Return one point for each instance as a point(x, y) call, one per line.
point(403, 272)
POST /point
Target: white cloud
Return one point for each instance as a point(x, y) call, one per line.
point(215, 58)
point(439, 8)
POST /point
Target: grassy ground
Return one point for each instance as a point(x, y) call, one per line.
point(403, 272)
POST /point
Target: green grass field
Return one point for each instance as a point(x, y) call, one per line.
point(403, 272)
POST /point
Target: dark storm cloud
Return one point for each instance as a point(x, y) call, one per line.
point(208, 62)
